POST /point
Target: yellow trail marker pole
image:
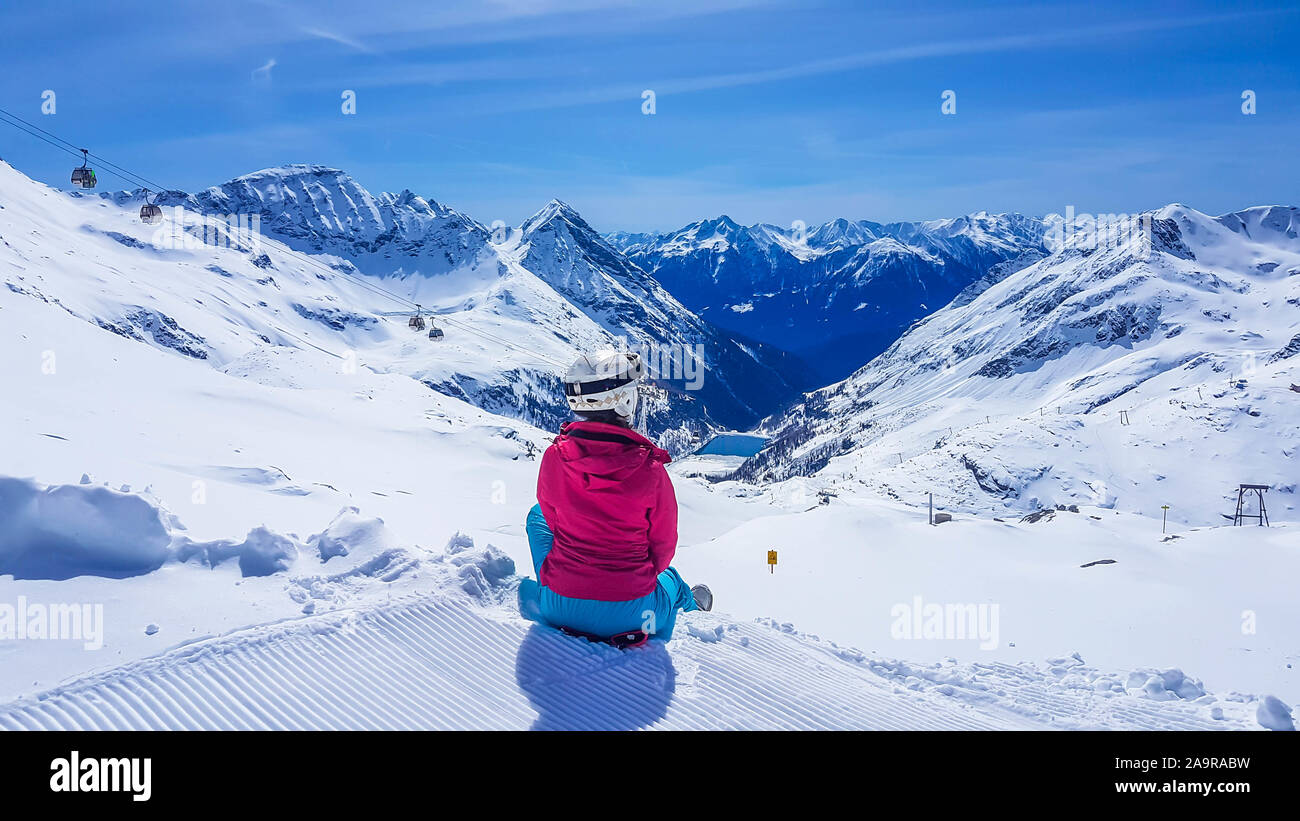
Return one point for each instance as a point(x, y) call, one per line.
point(771, 561)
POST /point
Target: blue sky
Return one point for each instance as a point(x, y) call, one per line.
point(765, 111)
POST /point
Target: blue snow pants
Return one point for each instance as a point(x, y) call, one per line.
point(655, 612)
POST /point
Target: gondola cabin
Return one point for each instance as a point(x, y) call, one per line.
point(83, 177)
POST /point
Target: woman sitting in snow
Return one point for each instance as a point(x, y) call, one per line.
point(604, 528)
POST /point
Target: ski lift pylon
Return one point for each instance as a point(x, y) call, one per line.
point(84, 176)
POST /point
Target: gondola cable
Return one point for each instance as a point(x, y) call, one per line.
point(146, 183)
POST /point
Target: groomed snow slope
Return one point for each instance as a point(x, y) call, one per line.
point(441, 663)
point(401, 636)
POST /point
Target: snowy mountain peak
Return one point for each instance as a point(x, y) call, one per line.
point(561, 229)
point(1281, 221)
point(842, 233)
point(406, 198)
point(319, 209)
point(559, 246)
point(890, 245)
point(290, 171)
point(722, 224)
point(324, 189)
point(556, 210)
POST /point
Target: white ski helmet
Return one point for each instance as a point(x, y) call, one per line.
point(605, 380)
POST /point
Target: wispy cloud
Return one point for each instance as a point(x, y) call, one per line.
point(474, 21)
point(342, 40)
point(950, 48)
point(263, 74)
point(868, 59)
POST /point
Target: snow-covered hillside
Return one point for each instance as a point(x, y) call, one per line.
point(1116, 376)
point(227, 463)
point(838, 293)
point(514, 303)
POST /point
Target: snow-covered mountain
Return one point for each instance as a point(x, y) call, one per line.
point(222, 443)
point(838, 293)
point(743, 376)
point(317, 210)
point(527, 303)
point(1159, 368)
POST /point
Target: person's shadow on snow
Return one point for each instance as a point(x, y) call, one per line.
point(574, 684)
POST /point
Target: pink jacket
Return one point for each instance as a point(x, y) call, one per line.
point(608, 500)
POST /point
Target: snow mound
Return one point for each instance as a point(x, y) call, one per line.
point(481, 569)
point(348, 531)
point(62, 531)
point(59, 532)
point(261, 553)
point(1274, 714)
point(362, 553)
point(1165, 685)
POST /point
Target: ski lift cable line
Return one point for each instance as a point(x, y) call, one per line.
point(123, 173)
point(279, 330)
point(75, 153)
point(144, 182)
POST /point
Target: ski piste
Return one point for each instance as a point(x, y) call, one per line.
point(441, 662)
